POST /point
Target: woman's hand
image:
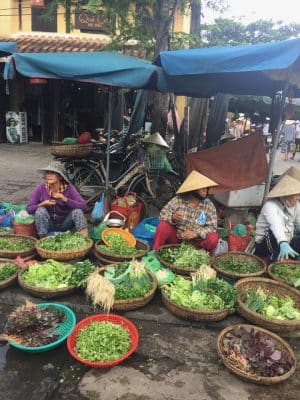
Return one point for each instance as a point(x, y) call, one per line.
point(188, 235)
point(59, 196)
point(177, 216)
point(47, 203)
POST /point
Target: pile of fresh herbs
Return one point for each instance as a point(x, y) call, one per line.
point(33, 326)
point(204, 292)
point(255, 353)
point(118, 245)
point(185, 256)
point(7, 270)
point(271, 305)
point(15, 244)
point(80, 271)
point(288, 272)
point(102, 341)
point(64, 241)
point(236, 264)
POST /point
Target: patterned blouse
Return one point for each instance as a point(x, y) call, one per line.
point(202, 219)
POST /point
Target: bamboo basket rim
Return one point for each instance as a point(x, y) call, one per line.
point(123, 257)
point(7, 282)
point(56, 254)
point(276, 278)
point(172, 267)
point(281, 324)
point(235, 275)
point(15, 253)
point(264, 380)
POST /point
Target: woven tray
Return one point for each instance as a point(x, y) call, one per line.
point(44, 293)
point(140, 245)
point(241, 255)
point(275, 325)
point(193, 314)
point(263, 380)
point(9, 281)
point(65, 255)
point(276, 278)
point(16, 253)
point(71, 150)
point(138, 302)
point(172, 267)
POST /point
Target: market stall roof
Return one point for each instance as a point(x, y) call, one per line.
point(252, 69)
point(107, 68)
point(7, 48)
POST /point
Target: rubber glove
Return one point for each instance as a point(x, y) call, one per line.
point(286, 251)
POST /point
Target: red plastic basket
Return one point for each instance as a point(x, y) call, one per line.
point(113, 318)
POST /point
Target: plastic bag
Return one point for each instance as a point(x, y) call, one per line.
point(95, 233)
point(163, 275)
point(238, 243)
point(222, 247)
point(23, 218)
point(98, 210)
point(145, 230)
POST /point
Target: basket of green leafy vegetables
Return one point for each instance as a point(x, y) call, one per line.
point(287, 272)
point(182, 258)
point(64, 246)
point(269, 304)
point(237, 264)
point(120, 250)
point(204, 298)
point(8, 272)
point(12, 246)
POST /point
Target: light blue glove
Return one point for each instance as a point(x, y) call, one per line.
point(286, 251)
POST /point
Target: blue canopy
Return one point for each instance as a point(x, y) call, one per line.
point(107, 68)
point(253, 69)
point(7, 48)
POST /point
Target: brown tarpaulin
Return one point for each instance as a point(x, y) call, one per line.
point(234, 165)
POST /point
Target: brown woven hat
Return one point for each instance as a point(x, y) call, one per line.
point(157, 139)
point(293, 172)
point(286, 186)
point(195, 181)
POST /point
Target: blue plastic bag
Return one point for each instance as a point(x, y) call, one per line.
point(98, 210)
point(145, 230)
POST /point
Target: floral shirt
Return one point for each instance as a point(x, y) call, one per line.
point(202, 219)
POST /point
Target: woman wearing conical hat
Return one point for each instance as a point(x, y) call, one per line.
point(278, 224)
point(189, 216)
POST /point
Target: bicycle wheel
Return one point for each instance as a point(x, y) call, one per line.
point(87, 181)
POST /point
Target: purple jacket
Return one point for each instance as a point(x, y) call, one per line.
point(58, 212)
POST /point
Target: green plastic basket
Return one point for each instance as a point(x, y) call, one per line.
point(64, 329)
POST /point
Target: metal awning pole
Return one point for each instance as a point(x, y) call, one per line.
point(275, 144)
point(108, 138)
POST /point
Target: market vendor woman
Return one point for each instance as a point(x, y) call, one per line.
point(56, 204)
point(189, 216)
point(278, 225)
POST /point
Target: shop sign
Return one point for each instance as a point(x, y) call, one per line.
point(37, 3)
point(85, 20)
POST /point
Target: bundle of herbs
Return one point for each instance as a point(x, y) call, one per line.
point(7, 270)
point(288, 272)
point(271, 305)
point(30, 325)
point(64, 241)
point(237, 264)
point(15, 244)
point(256, 353)
point(118, 245)
point(185, 256)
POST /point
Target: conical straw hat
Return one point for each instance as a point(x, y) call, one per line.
point(285, 187)
point(293, 172)
point(157, 139)
point(195, 181)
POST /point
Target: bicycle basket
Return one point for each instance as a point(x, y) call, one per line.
point(155, 159)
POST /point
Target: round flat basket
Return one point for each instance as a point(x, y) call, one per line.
point(172, 267)
point(263, 380)
point(63, 255)
point(113, 318)
point(140, 245)
point(9, 281)
point(16, 253)
point(71, 150)
point(101, 260)
point(138, 302)
point(271, 268)
point(64, 329)
point(193, 314)
point(275, 325)
point(241, 256)
point(44, 293)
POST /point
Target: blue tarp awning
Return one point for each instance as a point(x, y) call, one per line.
point(106, 67)
point(252, 69)
point(7, 48)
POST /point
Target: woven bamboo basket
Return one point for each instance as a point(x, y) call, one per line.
point(262, 380)
point(140, 245)
point(275, 325)
point(138, 302)
point(275, 277)
point(101, 260)
point(70, 150)
point(9, 281)
point(63, 255)
point(172, 267)
point(193, 314)
point(43, 293)
point(16, 253)
point(241, 255)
